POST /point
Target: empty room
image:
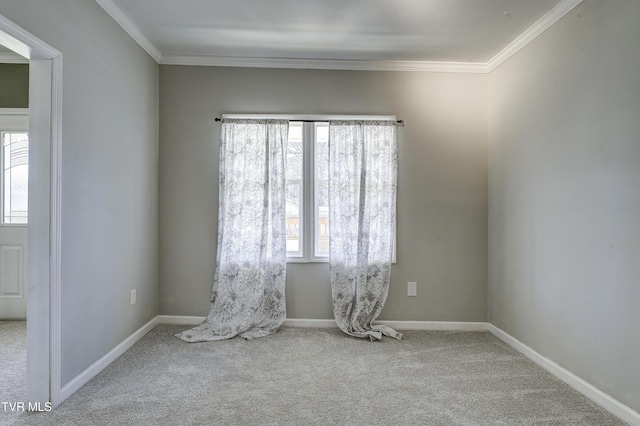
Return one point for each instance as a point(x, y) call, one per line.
point(303, 212)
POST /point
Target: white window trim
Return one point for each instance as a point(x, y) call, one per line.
point(308, 232)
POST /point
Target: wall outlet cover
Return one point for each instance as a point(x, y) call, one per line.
point(412, 289)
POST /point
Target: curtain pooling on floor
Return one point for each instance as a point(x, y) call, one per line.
point(363, 163)
point(248, 295)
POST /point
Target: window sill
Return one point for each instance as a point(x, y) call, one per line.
point(304, 260)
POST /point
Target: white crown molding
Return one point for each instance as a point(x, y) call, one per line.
point(324, 64)
point(127, 24)
point(12, 58)
point(607, 402)
point(550, 18)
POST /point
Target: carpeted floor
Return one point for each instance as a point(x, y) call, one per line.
point(13, 366)
point(323, 377)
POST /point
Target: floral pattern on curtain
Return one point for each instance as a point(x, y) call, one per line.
point(248, 296)
point(363, 165)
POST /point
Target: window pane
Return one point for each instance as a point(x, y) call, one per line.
point(321, 217)
point(293, 217)
point(15, 177)
point(294, 152)
point(322, 151)
point(294, 188)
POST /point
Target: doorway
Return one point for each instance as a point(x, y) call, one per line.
point(14, 173)
point(14, 166)
point(44, 216)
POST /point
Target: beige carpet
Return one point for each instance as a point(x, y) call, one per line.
point(323, 377)
point(13, 366)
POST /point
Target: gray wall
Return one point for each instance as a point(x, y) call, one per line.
point(442, 195)
point(14, 86)
point(564, 241)
point(109, 175)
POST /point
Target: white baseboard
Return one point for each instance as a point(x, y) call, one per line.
point(435, 325)
point(95, 368)
point(397, 325)
point(596, 395)
point(310, 323)
point(289, 322)
point(180, 320)
point(331, 323)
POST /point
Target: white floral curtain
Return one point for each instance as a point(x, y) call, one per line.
point(363, 164)
point(248, 297)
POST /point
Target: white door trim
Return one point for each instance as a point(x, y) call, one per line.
point(44, 280)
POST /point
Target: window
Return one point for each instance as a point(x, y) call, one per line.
point(308, 191)
point(307, 183)
point(14, 160)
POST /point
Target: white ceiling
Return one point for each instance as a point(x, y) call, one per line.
point(372, 30)
point(440, 35)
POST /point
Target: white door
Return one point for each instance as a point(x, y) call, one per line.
point(14, 172)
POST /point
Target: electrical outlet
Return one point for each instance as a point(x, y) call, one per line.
point(133, 297)
point(412, 289)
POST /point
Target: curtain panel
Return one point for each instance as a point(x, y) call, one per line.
point(363, 163)
point(248, 295)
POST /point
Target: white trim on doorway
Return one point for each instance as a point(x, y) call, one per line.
point(44, 281)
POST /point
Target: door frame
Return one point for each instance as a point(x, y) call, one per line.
point(44, 233)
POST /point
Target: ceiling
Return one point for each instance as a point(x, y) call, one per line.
point(440, 35)
point(419, 31)
point(378, 30)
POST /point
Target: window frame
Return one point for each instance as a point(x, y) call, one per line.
point(3, 205)
point(307, 220)
point(12, 120)
point(307, 234)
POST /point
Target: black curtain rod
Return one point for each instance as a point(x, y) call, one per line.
point(398, 122)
